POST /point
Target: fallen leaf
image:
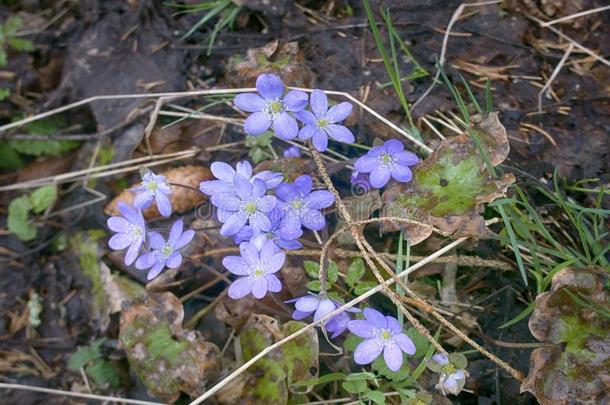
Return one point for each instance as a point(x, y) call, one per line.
point(183, 199)
point(451, 186)
point(574, 366)
point(166, 358)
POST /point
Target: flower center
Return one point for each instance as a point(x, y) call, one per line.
point(136, 232)
point(167, 250)
point(270, 236)
point(448, 369)
point(258, 272)
point(385, 335)
point(386, 159)
point(273, 109)
point(151, 185)
point(322, 123)
point(250, 208)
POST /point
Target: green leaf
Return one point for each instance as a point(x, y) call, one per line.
point(301, 355)
point(2, 58)
point(47, 126)
point(375, 396)
point(383, 370)
point(20, 44)
point(85, 354)
point(43, 198)
point(104, 372)
point(18, 223)
point(458, 360)
point(4, 93)
point(9, 157)
point(326, 378)
point(355, 272)
point(312, 268)
point(332, 273)
point(314, 285)
point(355, 386)
point(11, 25)
point(420, 342)
point(364, 286)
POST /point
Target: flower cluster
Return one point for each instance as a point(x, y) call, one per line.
point(262, 223)
point(148, 249)
point(270, 108)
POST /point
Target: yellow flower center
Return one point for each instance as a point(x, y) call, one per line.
point(448, 369)
point(386, 158)
point(322, 123)
point(250, 208)
point(167, 250)
point(275, 107)
point(258, 272)
point(152, 186)
point(385, 335)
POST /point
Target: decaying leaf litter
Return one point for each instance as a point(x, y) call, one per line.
point(504, 43)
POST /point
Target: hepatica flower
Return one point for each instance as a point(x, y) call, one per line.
point(271, 108)
point(165, 253)
point(452, 376)
point(292, 152)
point(274, 234)
point(385, 161)
point(381, 334)
point(323, 122)
point(256, 269)
point(249, 205)
point(225, 174)
point(319, 306)
point(301, 206)
point(130, 230)
point(153, 187)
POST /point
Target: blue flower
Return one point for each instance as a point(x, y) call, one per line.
point(131, 231)
point(271, 110)
point(274, 234)
point(301, 206)
point(165, 253)
point(451, 379)
point(225, 173)
point(257, 268)
point(153, 187)
point(292, 152)
point(249, 205)
point(319, 306)
point(381, 334)
point(389, 159)
point(323, 122)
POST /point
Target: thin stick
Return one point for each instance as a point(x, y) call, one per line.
point(321, 321)
point(575, 15)
point(569, 39)
point(441, 61)
point(546, 86)
point(76, 394)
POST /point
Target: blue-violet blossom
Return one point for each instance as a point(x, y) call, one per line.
point(385, 161)
point(451, 379)
point(381, 334)
point(153, 187)
point(225, 173)
point(322, 122)
point(320, 306)
point(292, 152)
point(302, 206)
point(257, 268)
point(249, 205)
point(165, 253)
point(131, 231)
point(271, 110)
